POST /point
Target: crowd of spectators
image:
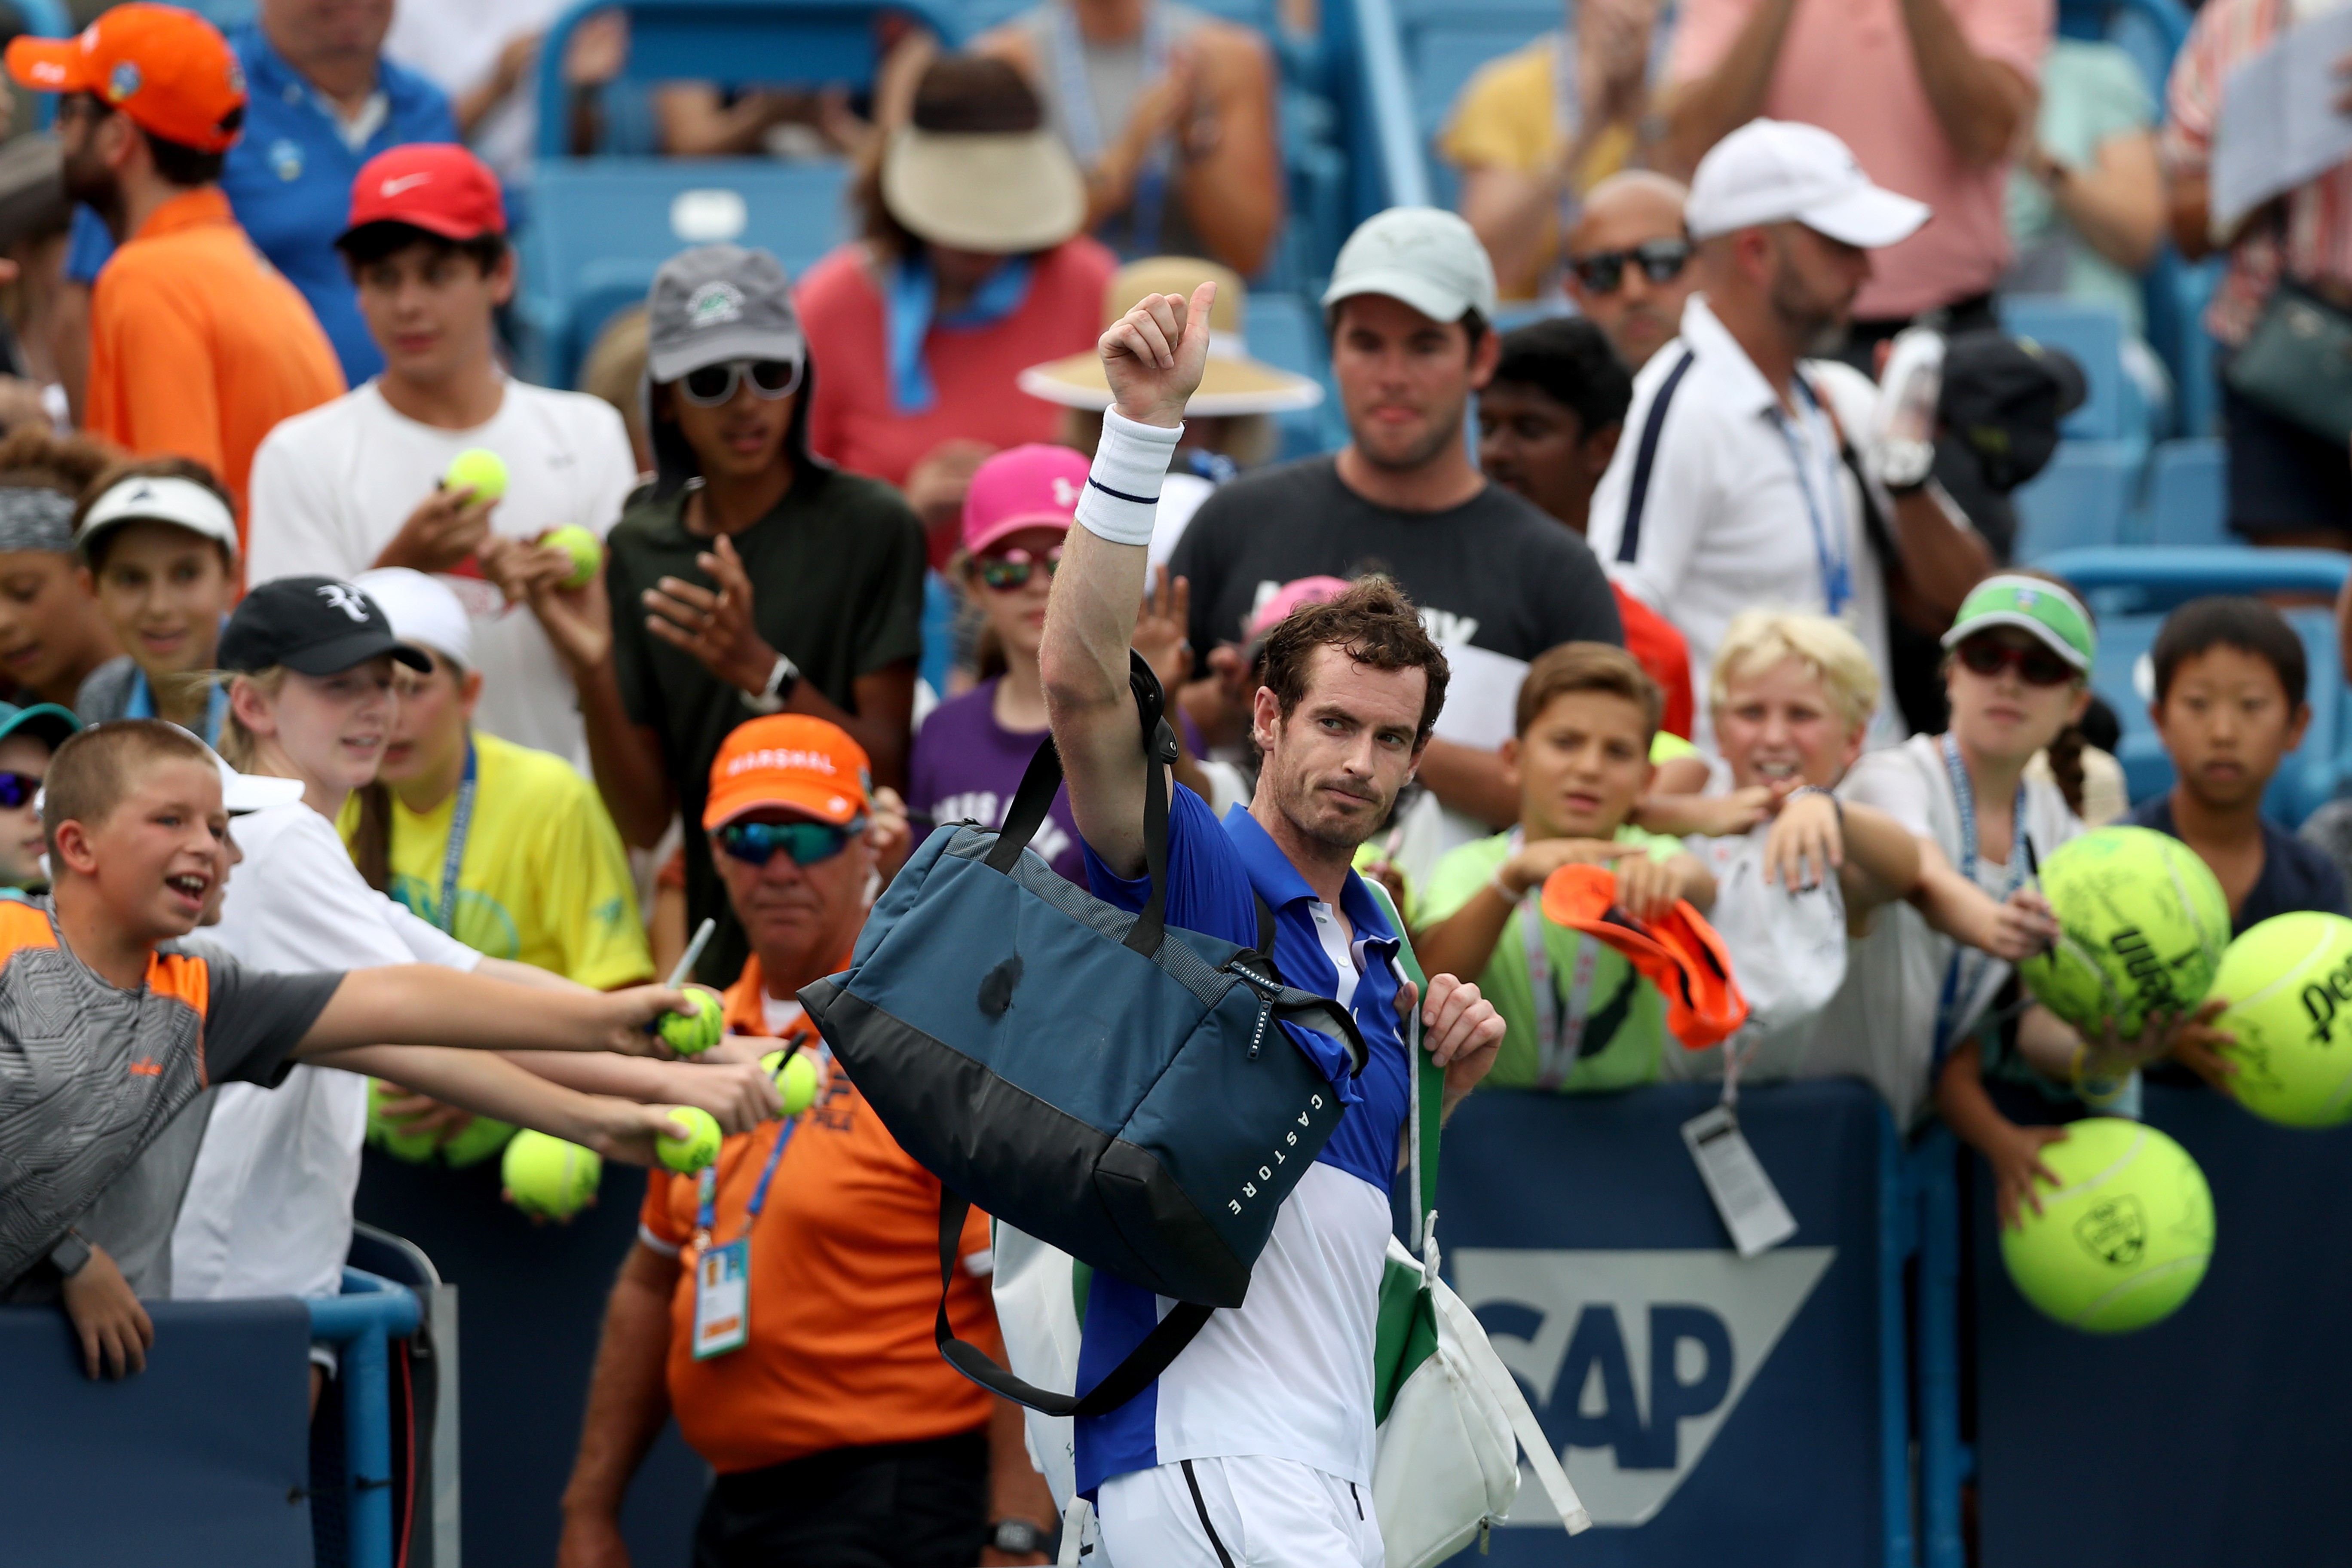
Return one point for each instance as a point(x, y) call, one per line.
point(1666, 437)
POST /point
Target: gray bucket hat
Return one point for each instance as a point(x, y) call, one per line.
point(715, 303)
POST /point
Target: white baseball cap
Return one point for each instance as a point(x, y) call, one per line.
point(182, 503)
point(242, 793)
point(1426, 256)
point(1778, 170)
point(421, 609)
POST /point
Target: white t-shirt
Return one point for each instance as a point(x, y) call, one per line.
point(331, 487)
point(269, 1206)
point(1881, 1023)
point(1735, 493)
point(1788, 949)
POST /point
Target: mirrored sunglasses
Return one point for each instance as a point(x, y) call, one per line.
point(18, 789)
point(1661, 262)
point(709, 385)
point(1014, 568)
point(804, 843)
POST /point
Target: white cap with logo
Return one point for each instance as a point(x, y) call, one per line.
point(421, 609)
point(1778, 170)
point(1426, 256)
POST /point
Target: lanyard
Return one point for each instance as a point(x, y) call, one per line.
point(1085, 130)
point(461, 823)
point(1558, 1037)
point(142, 705)
point(1829, 545)
point(706, 1188)
point(1957, 991)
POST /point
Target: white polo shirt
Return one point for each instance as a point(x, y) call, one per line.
point(1741, 503)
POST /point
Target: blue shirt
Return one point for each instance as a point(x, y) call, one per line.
point(2295, 875)
point(1288, 1373)
point(289, 179)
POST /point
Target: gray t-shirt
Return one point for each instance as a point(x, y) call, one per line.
point(91, 1075)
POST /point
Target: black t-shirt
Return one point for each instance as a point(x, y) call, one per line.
point(2295, 875)
point(1494, 573)
point(836, 573)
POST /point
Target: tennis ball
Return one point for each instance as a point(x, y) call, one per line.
point(795, 1078)
point(696, 1030)
point(587, 553)
point(483, 1137)
point(699, 1148)
point(547, 1176)
point(2288, 980)
point(389, 1133)
point(479, 470)
point(2142, 924)
point(2124, 1239)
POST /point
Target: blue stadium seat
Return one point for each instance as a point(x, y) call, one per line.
point(2132, 590)
point(601, 227)
point(2188, 493)
point(2091, 330)
point(2081, 498)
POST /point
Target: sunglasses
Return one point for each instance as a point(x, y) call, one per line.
point(804, 843)
point(1661, 262)
point(2036, 664)
point(1015, 568)
point(709, 385)
point(18, 789)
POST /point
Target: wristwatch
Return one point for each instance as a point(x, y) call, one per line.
point(70, 1254)
point(781, 680)
point(1017, 1538)
point(1904, 466)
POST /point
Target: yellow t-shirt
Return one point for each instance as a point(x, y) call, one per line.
point(544, 879)
point(1508, 118)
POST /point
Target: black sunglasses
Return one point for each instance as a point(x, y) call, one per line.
point(804, 843)
point(709, 385)
point(2036, 664)
point(18, 789)
point(1661, 262)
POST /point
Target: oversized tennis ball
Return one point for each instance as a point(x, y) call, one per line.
point(699, 1148)
point(2142, 924)
point(2122, 1240)
point(587, 553)
point(547, 1176)
point(795, 1078)
point(483, 1137)
point(2289, 982)
point(479, 470)
point(389, 1133)
point(696, 1030)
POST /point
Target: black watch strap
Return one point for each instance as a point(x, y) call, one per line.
point(1019, 1536)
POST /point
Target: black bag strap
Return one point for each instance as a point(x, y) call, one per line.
point(1043, 776)
point(1128, 1378)
point(1645, 458)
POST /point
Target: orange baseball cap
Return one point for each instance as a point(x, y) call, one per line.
point(792, 761)
point(1679, 954)
point(169, 69)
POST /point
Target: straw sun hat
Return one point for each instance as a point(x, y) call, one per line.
point(1233, 383)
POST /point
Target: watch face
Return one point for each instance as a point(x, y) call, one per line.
point(1902, 464)
point(1018, 1538)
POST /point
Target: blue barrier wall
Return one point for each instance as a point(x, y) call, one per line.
point(2216, 1437)
point(1706, 1405)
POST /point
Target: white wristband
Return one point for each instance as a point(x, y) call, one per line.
point(1122, 493)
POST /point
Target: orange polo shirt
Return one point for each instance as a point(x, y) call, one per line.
point(845, 1278)
point(198, 346)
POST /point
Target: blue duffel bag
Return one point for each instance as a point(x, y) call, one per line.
point(1111, 1085)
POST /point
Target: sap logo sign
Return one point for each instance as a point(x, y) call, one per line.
point(1633, 1360)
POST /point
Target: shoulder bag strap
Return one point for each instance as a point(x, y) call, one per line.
point(1645, 458)
point(1125, 1381)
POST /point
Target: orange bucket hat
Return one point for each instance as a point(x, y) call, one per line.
point(1680, 953)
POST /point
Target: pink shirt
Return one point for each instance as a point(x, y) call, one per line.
point(1846, 65)
point(852, 422)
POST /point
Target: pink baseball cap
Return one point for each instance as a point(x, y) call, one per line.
point(1290, 596)
point(1034, 486)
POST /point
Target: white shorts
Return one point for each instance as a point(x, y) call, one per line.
point(1247, 1512)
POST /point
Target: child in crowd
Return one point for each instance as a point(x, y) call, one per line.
point(1579, 1018)
point(51, 634)
point(28, 738)
point(158, 546)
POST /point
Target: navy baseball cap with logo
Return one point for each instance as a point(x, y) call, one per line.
point(314, 625)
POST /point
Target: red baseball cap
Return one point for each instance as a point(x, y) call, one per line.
point(169, 69)
point(437, 187)
point(1034, 486)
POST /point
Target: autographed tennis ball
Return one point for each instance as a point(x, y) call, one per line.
point(479, 470)
point(2123, 1240)
point(587, 553)
point(2142, 923)
point(795, 1078)
point(696, 1030)
point(699, 1148)
point(548, 1177)
point(2289, 982)
point(389, 1133)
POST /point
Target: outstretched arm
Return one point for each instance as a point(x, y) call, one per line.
point(489, 1085)
point(1153, 356)
point(425, 1005)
